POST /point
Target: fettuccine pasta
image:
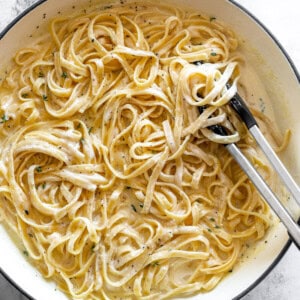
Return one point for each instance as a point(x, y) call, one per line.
point(109, 174)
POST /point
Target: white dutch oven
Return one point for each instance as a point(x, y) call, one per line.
point(281, 82)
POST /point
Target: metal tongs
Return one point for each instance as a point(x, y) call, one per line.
point(238, 104)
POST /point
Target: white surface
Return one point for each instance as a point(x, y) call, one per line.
point(281, 17)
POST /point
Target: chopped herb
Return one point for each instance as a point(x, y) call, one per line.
point(25, 252)
point(141, 205)
point(212, 219)
point(45, 97)
point(25, 95)
point(93, 247)
point(30, 235)
point(4, 119)
point(64, 75)
point(133, 207)
point(26, 212)
point(266, 242)
point(156, 263)
point(217, 226)
point(208, 229)
point(213, 54)
point(90, 130)
point(262, 105)
point(212, 19)
point(128, 187)
point(92, 40)
point(41, 74)
point(44, 185)
point(39, 169)
point(230, 271)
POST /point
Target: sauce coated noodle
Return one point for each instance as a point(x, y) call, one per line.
point(108, 173)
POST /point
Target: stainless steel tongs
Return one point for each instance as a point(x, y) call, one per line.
point(242, 110)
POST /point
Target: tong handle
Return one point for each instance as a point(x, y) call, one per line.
point(277, 164)
point(253, 175)
point(239, 105)
point(266, 192)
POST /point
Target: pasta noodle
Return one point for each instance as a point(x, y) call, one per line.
point(109, 174)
